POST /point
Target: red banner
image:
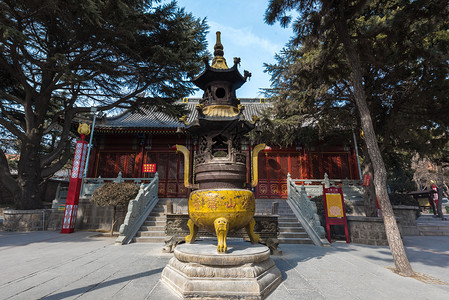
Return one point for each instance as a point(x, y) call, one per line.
point(149, 168)
point(76, 179)
point(366, 179)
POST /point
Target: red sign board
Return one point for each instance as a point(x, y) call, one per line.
point(334, 207)
point(366, 179)
point(149, 168)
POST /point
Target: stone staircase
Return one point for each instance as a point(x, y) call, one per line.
point(153, 230)
point(291, 231)
point(430, 226)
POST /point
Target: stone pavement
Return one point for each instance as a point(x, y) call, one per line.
point(50, 265)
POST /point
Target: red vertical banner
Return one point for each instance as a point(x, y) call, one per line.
point(76, 178)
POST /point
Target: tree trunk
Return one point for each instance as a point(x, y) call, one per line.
point(6, 180)
point(369, 195)
point(29, 177)
point(402, 264)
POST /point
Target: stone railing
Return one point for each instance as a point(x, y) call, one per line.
point(306, 212)
point(60, 197)
point(352, 189)
point(138, 210)
point(92, 184)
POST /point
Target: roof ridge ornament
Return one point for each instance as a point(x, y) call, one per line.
point(219, 62)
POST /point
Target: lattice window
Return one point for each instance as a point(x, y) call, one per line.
point(295, 163)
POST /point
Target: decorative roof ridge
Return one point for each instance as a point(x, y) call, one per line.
point(130, 118)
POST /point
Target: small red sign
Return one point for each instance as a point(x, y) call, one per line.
point(149, 168)
point(366, 179)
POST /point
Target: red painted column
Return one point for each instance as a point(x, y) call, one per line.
point(76, 178)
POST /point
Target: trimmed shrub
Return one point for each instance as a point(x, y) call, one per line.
point(114, 194)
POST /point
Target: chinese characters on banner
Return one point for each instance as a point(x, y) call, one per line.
point(149, 168)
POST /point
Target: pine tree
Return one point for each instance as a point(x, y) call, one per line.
point(61, 58)
point(387, 59)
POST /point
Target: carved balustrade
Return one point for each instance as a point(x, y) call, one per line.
point(306, 212)
point(138, 210)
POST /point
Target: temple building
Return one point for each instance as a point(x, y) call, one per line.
point(124, 143)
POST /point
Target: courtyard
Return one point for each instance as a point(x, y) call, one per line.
point(83, 265)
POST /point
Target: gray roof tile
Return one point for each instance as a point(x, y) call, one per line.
point(151, 119)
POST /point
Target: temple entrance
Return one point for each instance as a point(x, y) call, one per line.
point(274, 167)
point(113, 162)
point(170, 167)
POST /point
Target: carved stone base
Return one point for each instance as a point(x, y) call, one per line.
point(197, 271)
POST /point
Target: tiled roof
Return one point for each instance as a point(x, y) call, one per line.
point(150, 119)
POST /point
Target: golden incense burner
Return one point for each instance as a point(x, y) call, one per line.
point(220, 202)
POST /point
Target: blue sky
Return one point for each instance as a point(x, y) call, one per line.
point(244, 34)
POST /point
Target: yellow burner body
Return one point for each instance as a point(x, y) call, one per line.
point(222, 211)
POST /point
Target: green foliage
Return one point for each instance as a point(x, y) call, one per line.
point(403, 199)
point(404, 53)
point(60, 58)
point(397, 56)
point(114, 194)
point(400, 172)
point(13, 163)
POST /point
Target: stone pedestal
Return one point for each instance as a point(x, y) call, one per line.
point(198, 271)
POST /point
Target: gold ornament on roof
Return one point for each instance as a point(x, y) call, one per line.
point(84, 129)
point(183, 119)
point(220, 111)
point(219, 62)
point(255, 119)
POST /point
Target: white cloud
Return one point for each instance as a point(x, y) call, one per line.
point(242, 37)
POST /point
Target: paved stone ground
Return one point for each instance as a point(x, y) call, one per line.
point(50, 265)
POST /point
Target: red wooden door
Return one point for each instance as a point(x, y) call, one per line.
point(273, 169)
point(111, 163)
point(170, 167)
point(335, 165)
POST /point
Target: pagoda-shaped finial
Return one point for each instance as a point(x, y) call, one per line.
point(219, 62)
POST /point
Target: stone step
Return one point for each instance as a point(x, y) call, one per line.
point(433, 227)
point(157, 214)
point(283, 211)
point(293, 235)
point(295, 241)
point(153, 228)
point(287, 219)
point(149, 239)
point(433, 233)
point(150, 233)
point(154, 223)
point(289, 224)
point(156, 218)
point(291, 229)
